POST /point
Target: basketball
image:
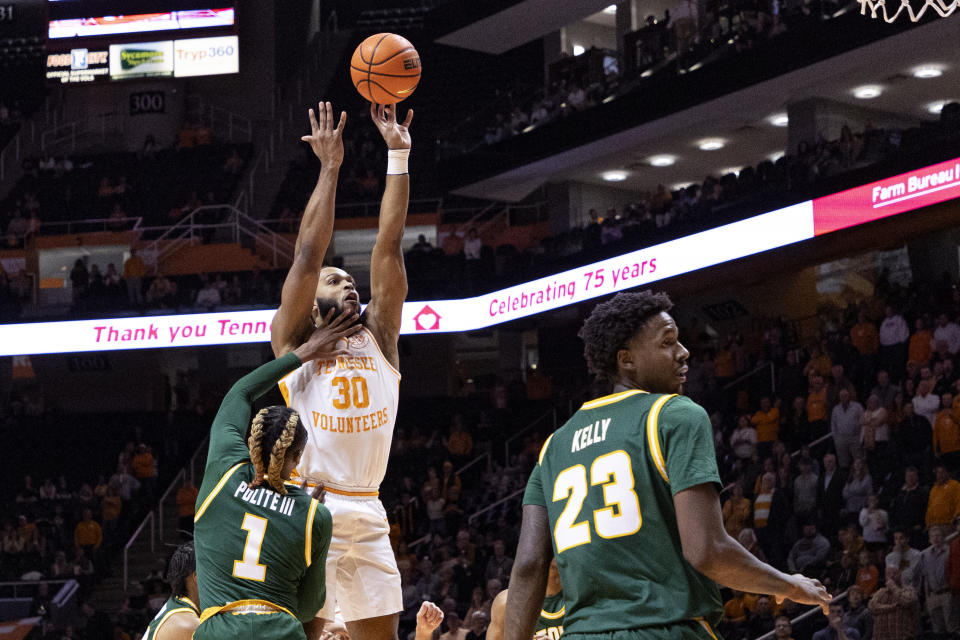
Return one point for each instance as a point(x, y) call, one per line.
point(385, 68)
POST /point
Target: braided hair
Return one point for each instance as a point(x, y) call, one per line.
point(613, 323)
point(275, 432)
point(182, 564)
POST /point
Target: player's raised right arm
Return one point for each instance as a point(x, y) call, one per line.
point(316, 229)
point(712, 552)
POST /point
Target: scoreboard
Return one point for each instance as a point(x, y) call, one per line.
point(110, 40)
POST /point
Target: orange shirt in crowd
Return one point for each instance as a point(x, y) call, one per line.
point(110, 507)
point(865, 338)
point(867, 579)
point(944, 503)
point(142, 465)
point(946, 433)
point(186, 500)
point(767, 424)
point(921, 346)
point(734, 610)
point(822, 364)
point(88, 534)
point(724, 365)
point(460, 444)
point(134, 267)
point(817, 405)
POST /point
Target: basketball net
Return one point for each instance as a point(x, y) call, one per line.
point(878, 8)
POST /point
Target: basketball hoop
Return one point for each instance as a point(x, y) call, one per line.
point(878, 8)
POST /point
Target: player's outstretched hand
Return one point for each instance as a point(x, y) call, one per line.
point(326, 139)
point(395, 134)
point(322, 343)
point(805, 590)
point(429, 617)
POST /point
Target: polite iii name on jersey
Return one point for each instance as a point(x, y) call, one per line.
point(590, 434)
point(266, 498)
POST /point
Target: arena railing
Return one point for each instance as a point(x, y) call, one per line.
point(494, 505)
point(178, 479)
point(136, 534)
point(90, 225)
point(550, 414)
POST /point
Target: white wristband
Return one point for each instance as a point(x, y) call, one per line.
point(397, 161)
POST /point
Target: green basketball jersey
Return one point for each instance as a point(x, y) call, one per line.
point(551, 616)
point(170, 607)
point(255, 544)
point(607, 479)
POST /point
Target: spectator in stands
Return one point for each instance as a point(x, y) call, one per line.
point(868, 575)
point(946, 434)
point(767, 423)
point(953, 561)
point(805, 490)
point(864, 336)
point(422, 246)
point(88, 536)
point(875, 435)
point(736, 511)
point(472, 245)
point(761, 618)
point(735, 614)
point(743, 440)
point(830, 494)
point(914, 437)
point(939, 603)
point(845, 424)
point(455, 630)
point(817, 405)
point(885, 392)
point(499, 565)
point(186, 507)
point(926, 403)
point(459, 442)
point(770, 514)
point(809, 553)
point(895, 610)
point(875, 522)
point(947, 332)
point(858, 488)
point(904, 558)
point(894, 334)
point(921, 344)
point(943, 503)
point(161, 292)
point(836, 628)
point(134, 270)
point(782, 630)
point(910, 506)
point(209, 296)
point(111, 507)
point(234, 164)
point(125, 483)
point(858, 616)
point(144, 469)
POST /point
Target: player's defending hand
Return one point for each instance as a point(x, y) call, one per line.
point(326, 139)
point(429, 617)
point(805, 590)
point(395, 134)
point(323, 341)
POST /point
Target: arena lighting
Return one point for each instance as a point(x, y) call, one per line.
point(734, 170)
point(610, 10)
point(779, 120)
point(663, 160)
point(711, 144)
point(578, 49)
point(680, 185)
point(927, 71)
point(936, 107)
point(614, 176)
point(776, 155)
point(897, 194)
point(867, 92)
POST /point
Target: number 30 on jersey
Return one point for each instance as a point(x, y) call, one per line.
point(619, 517)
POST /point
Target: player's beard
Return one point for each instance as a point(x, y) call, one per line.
point(325, 304)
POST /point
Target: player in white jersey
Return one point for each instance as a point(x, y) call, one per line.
point(350, 403)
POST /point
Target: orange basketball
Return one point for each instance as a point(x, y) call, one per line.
point(385, 68)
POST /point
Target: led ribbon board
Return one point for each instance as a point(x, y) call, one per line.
point(796, 223)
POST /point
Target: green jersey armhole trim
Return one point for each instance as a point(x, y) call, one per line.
point(653, 435)
point(553, 616)
point(216, 490)
point(543, 449)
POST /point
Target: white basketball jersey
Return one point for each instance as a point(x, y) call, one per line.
point(349, 407)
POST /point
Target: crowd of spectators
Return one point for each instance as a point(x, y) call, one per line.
point(664, 214)
point(158, 184)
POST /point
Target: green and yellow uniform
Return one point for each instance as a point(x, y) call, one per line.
point(551, 616)
point(261, 555)
point(607, 479)
point(172, 606)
